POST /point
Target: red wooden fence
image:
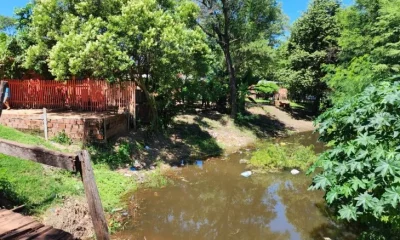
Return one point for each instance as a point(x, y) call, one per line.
point(81, 95)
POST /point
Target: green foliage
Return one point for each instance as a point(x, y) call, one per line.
point(62, 138)
point(312, 44)
point(361, 171)
point(113, 155)
point(275, 157)
point(267, 87)
point(245, 32)
point(369, 45)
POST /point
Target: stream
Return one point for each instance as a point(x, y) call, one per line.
point(215, 202)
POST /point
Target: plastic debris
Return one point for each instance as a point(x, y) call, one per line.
point(147, 148)
point(132, 169)
point(182, 163)
point(294, 172)
point(246, 174)
point(199, 163)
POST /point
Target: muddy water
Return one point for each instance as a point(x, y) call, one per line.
point(216, 202)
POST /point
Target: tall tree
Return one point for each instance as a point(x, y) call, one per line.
point(146, 41)
point(240, 26)
point(312, 44)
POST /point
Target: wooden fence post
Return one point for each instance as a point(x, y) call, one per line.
point(3, 85)
point(93, 197)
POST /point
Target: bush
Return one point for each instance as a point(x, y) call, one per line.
point(113, 156)
point(361, 172)
point(274, 157)
point(62, 138)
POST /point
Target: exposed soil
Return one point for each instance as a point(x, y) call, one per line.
point(72, 216)
point(297, 125)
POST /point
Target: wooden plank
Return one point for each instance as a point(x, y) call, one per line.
point(15, 223)
point(36, 233)
point(9, 218)
point(21, 231)
point(38, 154)
point(5, 212)
point(93, 197)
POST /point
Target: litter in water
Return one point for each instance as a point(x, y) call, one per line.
point(246, 174)
point(294, 172)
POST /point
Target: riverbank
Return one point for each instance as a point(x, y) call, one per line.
point(57, 197)
point(209, 134)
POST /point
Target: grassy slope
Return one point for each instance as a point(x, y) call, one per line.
point(38, 186)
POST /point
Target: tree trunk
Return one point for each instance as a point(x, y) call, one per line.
point(152, 105)
point(232, 81)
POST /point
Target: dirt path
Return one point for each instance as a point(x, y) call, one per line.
point(289, 121)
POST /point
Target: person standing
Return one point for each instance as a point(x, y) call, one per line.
point(7, 96)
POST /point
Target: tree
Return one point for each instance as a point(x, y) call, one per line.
point(147, 41)
point(361, 170)
point(312, 44)
point(241, 28)
point(370, 47)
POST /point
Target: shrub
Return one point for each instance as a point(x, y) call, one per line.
point(274, 157)
point(62, 138)
point(113, 156)
point(361, 172)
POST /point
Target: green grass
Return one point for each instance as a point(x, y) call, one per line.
point(112, 186)
point(38, 186)
point(274, 157)
point(17, 136)
point(32, 184)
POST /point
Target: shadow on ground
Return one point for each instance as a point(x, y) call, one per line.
point(261, 124)
point(302, 112)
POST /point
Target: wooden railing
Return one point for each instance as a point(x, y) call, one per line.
point(81, 95)
point(72, 162)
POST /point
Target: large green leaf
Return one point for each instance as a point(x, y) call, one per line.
point(348, 212)
point(392, 196)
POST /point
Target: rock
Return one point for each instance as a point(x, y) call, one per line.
point(294, 172)
point(243, 161)
point(152, 168)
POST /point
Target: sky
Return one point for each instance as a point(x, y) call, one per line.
point(293, 8)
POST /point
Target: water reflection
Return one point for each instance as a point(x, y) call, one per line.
point(215, 202)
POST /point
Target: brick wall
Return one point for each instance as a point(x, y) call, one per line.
point(89, 129)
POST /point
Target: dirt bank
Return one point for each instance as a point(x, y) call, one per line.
point(208, 134)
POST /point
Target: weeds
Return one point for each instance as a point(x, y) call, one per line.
point(62, 138)
point(274, 157)
point(113, 156)
point(156, 179)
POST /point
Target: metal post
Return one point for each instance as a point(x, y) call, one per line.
point(45, 124)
